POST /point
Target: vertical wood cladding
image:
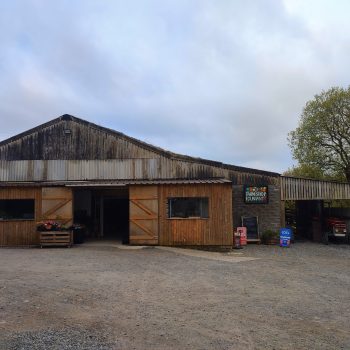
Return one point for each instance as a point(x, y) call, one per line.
point(83, 142)
point(307, 189)
point(20, 232)
point(57, 204)
point(144, 223)
point(216, 230)
point(69, 148)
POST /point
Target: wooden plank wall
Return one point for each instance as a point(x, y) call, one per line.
point(84, 142)
point(216, 230)
point(307, 189)
point(57, 205)
point(144, 225)
point(23, 232)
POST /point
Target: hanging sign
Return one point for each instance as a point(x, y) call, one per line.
point(256, 194)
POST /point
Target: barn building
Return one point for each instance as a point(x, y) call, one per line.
point(71, 170)
point(74, 171)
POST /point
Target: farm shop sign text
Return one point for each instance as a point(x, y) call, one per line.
point(256, 195)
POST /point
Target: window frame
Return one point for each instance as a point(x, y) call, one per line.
point(32, 218)
point(169, 217)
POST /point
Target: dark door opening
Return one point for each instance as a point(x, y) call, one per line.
point(116, 219)
point(103, 213)
point(306, 218)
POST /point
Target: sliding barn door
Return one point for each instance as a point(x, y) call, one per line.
point(143, 215)
point(57, 205)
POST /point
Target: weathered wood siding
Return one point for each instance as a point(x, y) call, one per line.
point(70, 149)
point(216, 230)
point(307, 189)
point(91, 152)
point(84, 142)
point(20, 232)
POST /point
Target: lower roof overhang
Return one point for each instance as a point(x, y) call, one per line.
point(115, 183)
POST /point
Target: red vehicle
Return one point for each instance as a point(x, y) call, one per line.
point(335, 229)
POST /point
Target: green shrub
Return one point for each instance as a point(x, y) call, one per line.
point(268, 235)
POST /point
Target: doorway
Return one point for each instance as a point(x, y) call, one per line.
point(116, 219)
point(306, 218)
point(104, 213)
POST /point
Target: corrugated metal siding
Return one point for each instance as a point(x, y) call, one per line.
point(71, 170)
point(136, 169)
point(307, 189)
point(173, 168)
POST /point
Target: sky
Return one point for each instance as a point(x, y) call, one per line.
point(224, 80)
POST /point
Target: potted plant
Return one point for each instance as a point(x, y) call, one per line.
point(269, 237)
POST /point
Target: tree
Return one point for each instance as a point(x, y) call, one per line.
point(309, 171)
point(322, 139)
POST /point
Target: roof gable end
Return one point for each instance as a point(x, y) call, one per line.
point(91, 141)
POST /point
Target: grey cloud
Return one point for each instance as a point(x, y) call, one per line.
point(223, 80)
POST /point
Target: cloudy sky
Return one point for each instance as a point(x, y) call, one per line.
point(219, 79)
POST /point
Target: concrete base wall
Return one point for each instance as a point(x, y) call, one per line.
point(269, 215)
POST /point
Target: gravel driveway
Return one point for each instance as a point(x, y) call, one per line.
point(99, 296)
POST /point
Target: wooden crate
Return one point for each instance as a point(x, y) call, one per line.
point(56, 238)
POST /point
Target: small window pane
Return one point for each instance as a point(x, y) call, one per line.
point(14, 209)
point(187, 207)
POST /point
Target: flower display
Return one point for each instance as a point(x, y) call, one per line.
point(50, 225)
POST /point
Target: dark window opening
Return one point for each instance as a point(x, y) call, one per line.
point(188, 207)
point(17, 209)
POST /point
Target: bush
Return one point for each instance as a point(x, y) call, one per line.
point(268, 235)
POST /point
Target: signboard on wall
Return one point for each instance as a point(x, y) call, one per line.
point(256, 194)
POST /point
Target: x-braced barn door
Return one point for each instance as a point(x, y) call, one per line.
point(57, 205)
point(143, 214)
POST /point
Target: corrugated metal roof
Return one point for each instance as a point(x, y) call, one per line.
point(118, 183)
